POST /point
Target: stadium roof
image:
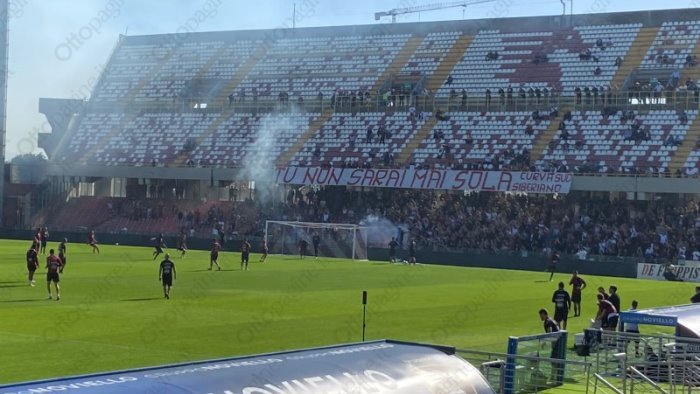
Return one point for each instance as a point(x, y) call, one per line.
point(385, 366)
point(686, 318)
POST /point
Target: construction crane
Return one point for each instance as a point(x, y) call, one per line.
point(428, 7)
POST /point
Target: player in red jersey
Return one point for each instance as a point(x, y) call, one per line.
point(62, 253)
point(32, 263)
point(578, 284)
point(92, 241)
point(245, 254)
point(214, 255)
point(159, 244)
point(607, 314)
point(182, 243)
point(37, 239)
point(265, 251)
point(53, 266)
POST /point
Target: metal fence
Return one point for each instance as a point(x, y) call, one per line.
point(634, 363)
point(533, 374)
point(621, 100)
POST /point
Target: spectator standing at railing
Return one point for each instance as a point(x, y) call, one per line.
point(675, 78)
point(488, 97)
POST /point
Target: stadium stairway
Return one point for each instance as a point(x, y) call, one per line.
point(242, 73)
point(314, 127)
point(413, 144)
point(540, 146)
point(448, 63)
point(399, 61)
point(635, 55)
point(686, 148)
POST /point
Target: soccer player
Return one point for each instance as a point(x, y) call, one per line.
point(549, 324)
point(562, 304)
point(37, 238)
point(553, 261)
point(303, 248)
point(614, 298)
point(633, 328)
point(53, 266)
point(412, 253)
point(607, 314)
point(44, 237)
point(62, 253)
point(578, 285)
point(92, 241)
point(695, 299)
point(392, 250)
point(159, 245)
point(166, 274)
point(214, 255)
point(32, 264)
point(601, 290)
point(316, 240)
point(182, 243)
point(245, 254)
point(265, 251)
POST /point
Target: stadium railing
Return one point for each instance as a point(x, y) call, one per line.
point(529, 376)
point(627, 100)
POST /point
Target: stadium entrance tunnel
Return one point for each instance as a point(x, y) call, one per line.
point(371, 367)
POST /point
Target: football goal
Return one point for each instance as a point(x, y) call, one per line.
point(348, 241)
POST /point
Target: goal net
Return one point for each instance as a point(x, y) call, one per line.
point(347, 241)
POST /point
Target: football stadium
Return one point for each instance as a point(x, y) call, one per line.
point(396, 206)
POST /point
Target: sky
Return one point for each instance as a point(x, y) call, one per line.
point(46, 59)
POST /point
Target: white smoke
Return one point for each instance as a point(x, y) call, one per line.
point(380, 230)
point(274, 133)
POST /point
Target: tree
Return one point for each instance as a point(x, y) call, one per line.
point(29, 168)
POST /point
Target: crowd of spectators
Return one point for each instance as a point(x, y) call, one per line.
point(574, 224)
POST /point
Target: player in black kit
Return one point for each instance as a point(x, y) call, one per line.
point(44, 235)
point(303, 248)
point(245, 254)
point(392, 250)
point(166, 274)
point(316, 240)
point(549, 324)
point(562, 304)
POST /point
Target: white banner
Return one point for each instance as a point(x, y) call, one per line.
point(488, 181)
point(673, 272)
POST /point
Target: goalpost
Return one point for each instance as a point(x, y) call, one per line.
point(339, 240)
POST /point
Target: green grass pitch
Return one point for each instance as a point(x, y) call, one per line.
point(112, 314)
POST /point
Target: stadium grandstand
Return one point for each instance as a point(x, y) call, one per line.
point(178, 119)
point(504, 146)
